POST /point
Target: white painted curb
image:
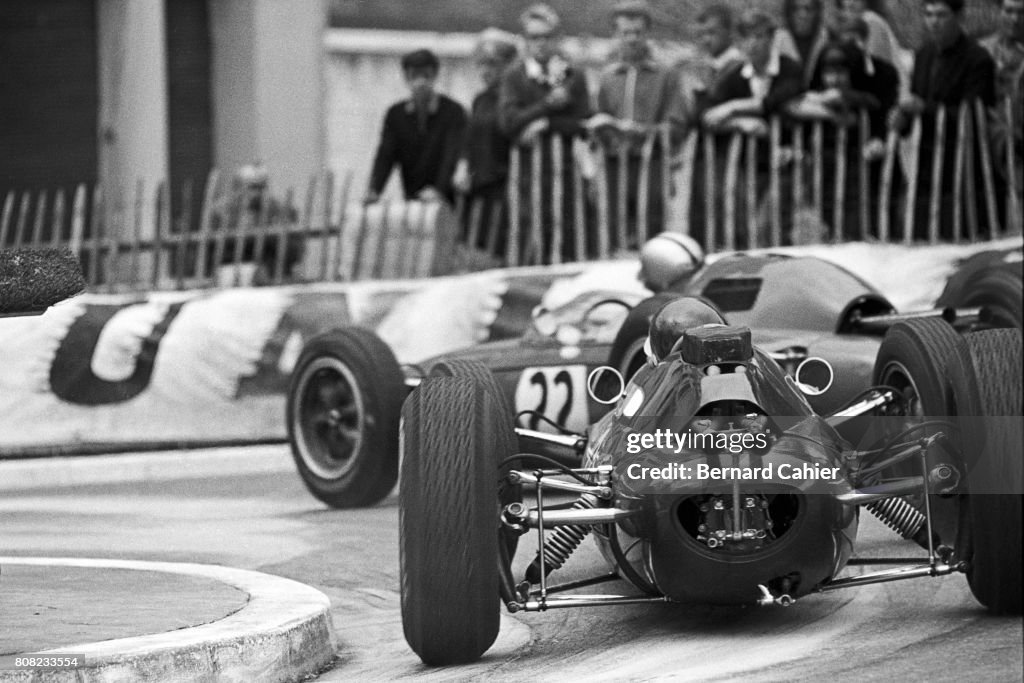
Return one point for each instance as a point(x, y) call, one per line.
point(284, 633)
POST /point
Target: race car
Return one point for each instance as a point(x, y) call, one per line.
point(347, 389)
point(714, 480)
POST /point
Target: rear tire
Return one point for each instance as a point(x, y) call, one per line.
point(988, 393)
point(448, 517)
point(342, 413)
point(1001, 292)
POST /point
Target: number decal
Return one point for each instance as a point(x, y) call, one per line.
point(554, 393)
point(565, 379)
point(540, 381)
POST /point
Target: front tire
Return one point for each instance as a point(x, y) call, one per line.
point(343, 411)
point(448, 516)
point(988, 393)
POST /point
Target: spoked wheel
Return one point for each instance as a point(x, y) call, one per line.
point(988, 393)
point(448, 516)
point(343, 415)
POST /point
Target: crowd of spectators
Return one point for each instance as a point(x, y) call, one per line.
point(813, 65)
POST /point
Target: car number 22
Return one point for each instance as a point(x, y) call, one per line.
point(559, 393)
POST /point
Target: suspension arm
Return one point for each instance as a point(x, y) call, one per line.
point(518, 513)
point(899, 574)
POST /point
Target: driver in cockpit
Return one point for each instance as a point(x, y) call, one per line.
point(668, 260)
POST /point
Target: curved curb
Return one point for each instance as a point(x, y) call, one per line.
point(283, 633)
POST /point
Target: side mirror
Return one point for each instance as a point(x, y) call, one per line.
point(814, 376)
point(605, 385)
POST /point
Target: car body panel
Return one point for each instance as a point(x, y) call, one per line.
point(790, 303)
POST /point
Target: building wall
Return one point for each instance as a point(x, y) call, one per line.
point(189, 102)
point(48, 94)
point(133, 120)
point(267, 84)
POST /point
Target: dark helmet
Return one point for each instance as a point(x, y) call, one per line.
point(674, 318)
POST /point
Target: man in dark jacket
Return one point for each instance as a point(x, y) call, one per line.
point(745, 97)
point(544, 95)
point(750, 92)
point(422, 134)
point(482, 172)
point(948, 69)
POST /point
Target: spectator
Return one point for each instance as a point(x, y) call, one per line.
point(482, 172)
point(837, 98)
point(715, 32)
point(880, 42)
point(948, 69)
point(743, 100)
point(714, 37)
point(748, 93)
point(635, 95)
point(804, 35)
point(881, 79)
point(246, 209)
point(422, 134)
point(1007, 49)
point(833, 96)
point(544, 95)
point(872, 75)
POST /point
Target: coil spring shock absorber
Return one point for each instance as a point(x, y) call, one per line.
point(561, 543)
point(902, 517)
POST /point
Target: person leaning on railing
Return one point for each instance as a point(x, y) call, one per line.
point(635, 95)
point(543, 94)
point(878, 40)
point(871, 74)
point(949, 68)
point(803, 34)
point(1007, 49)
point(717, 54)
point(744, 100)
point(236, 220)
point(482, 172)
point(422, 135)
point(836, 100)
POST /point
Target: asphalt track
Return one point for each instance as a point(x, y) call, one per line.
point(264, 520)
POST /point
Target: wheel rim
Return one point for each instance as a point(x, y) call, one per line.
point(330, 419)
point(896, 375)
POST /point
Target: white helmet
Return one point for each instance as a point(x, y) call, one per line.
point(667, 258)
